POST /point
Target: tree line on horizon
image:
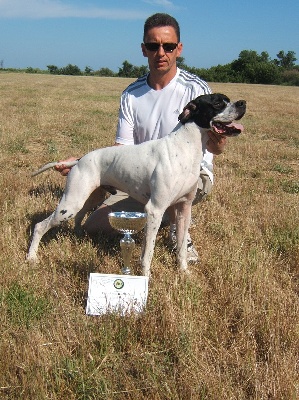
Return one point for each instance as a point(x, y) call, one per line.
point(250, 67)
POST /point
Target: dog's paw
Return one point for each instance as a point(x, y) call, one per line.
point(185, 271)
point(31, 258)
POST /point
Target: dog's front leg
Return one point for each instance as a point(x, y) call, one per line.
point(154, 219)
point(183, 218)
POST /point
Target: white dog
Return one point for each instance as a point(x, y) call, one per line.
point(157, 173)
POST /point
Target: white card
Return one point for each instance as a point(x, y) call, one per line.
point(116, 293)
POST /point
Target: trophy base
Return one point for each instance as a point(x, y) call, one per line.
point(126, 271)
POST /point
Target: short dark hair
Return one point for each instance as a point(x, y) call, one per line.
point(161, 19)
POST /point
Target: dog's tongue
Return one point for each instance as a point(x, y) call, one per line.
point(237, 127)
point(231, 129)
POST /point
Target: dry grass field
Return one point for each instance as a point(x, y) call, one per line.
point(229, 331)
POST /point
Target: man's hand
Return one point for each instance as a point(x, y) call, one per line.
point(216, 143)
point(62, 168)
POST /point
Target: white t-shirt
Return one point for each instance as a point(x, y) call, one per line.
point(148, 114)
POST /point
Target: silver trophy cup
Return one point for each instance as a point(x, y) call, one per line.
point(128, 223)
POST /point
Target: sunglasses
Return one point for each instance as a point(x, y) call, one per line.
point(167, 47)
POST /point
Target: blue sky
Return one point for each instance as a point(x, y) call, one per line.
point(94, 33)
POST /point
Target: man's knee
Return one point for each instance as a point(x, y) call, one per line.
point(98, 221)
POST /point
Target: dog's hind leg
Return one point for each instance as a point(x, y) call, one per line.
point(72, 202)
point(96, 197)
point(39, 230)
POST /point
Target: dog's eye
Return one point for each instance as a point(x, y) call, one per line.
point(219, 104)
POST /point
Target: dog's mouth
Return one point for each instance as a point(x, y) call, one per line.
point(227, 129)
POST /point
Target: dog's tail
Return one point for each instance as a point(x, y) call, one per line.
point(53, 164)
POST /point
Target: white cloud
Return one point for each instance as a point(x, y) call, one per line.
point(165, 3)
point(38, 9)
point(162, 3)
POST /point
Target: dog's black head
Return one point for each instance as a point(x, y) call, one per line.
point(215, 111)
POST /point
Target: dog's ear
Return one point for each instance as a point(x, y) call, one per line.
point(187, 112)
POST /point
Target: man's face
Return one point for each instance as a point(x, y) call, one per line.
point(161, 59)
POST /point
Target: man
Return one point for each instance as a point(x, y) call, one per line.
point(149, 110)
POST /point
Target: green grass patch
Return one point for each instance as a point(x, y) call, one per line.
point(282, 169)
point(18, 146)
point(23, 306)
point(291, 187)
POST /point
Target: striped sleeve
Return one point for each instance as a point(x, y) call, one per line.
point(195, 80)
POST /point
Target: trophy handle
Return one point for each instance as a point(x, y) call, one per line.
point(127, 245)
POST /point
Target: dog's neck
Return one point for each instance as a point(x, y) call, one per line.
point(192, 124)
point(199, 135)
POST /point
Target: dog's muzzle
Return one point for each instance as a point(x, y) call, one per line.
point(227, 129)
point(231, 128)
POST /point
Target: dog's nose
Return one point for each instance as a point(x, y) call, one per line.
point(241, 103)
